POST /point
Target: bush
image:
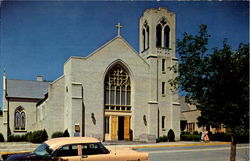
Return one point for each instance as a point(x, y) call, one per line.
point(163, 138)
point(196, 133)
point(190, 137)
point(29, 136)
point(35, 137)
point(39, 136)
point(10, 138)
point(220, 137)
point(1, 138)
point(244, 138)
point(171, 135)
point(15, 138)
point(66, 133)
point(44, 135)
point(57, 134)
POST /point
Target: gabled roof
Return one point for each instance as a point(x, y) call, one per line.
point(26, 89)
point(186, 107)
point(109, 42)
point(106, 44)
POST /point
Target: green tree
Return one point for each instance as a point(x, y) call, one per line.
point(217, 83)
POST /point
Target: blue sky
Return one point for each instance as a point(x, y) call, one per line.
point(38, 37)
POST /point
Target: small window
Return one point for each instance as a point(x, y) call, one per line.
point(20, 118)
point(163, 88)
point(67, 150)
point(163, 65)
point(144, 39)
point(158, 35)
point(191, 127)
point(167, 37)
point(147, 37)
point(163, 122)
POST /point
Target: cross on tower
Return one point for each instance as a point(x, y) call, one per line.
point(119, 26)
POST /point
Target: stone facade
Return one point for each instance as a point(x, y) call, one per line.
point(114, 93)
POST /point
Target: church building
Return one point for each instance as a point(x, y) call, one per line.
point(115, 93)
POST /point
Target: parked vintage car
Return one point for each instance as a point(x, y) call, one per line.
point(79, 149)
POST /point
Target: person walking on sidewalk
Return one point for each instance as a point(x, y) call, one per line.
point(206, 138)
point(202, 135)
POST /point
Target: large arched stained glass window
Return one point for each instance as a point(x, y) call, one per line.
point(20, 118)
point(117, 95)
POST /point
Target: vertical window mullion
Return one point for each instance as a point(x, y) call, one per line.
point(109, 91)
point(162, 36)
point(115, 94)
point(120, 95)
point(126, 95)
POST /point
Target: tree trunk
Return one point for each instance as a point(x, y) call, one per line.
point(233, 148)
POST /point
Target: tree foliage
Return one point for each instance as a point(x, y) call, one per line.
point(217, 82)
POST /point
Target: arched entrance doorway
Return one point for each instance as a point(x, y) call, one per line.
point(117, 104)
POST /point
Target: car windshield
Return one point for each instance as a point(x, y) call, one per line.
point(102, 148)
point(43, 150)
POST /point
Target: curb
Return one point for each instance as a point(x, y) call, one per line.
point(1, 153)
point(178, 145)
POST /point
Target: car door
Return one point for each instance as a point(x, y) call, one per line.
point(93, 152)
point(68, 152)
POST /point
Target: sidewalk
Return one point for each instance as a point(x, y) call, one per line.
point(10, 147)
point(164, 144)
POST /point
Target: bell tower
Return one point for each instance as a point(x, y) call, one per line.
point(157, 32)
point(157, 47)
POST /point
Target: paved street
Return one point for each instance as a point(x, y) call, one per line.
point(168, 151)
point(197, 153)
